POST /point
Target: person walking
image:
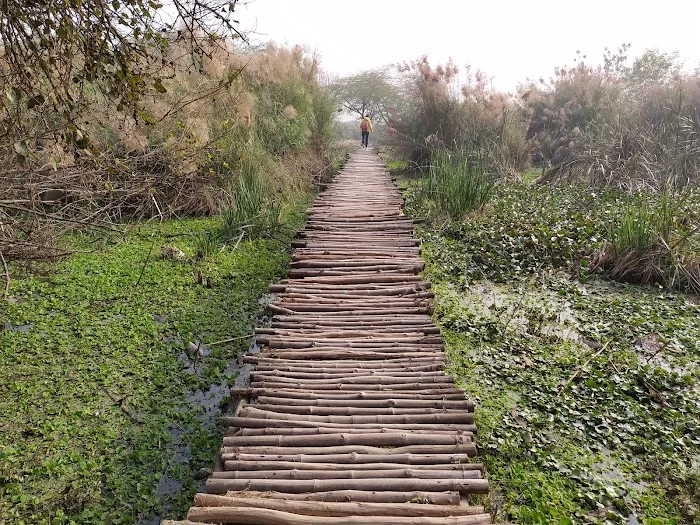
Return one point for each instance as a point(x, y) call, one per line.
point(366, 129)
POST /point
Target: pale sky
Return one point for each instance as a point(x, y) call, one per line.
point(510, 40)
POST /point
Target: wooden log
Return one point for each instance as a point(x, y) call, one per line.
point(386, 380)
point(297, 486)
point(363, 279)
point(370, 344)
point(311, 329)
point(416, 397)
point(313, 304)
point(310, 386)
point(407, 254)
point(346, 308)
point(299, 431)
point(426, 395)
point(301, 372)
point(314, 508)
point(307, 342)
point(384, 269)
point(466, 448)
point(342, 363)
point(376, 439)
point(291, 465)
point(357, 327)
point(356, 375)
point(411, 360)
point(297, 474)
point(320, 306)
point(349, 411)
point(411, 373)
point(370, 403)
point(261, 516)
point(348, 369)
point(350, 262)
point(346, 354)
point(410, 388)
point(448, 417)
point(248, 422)
point(374, 321)
point(332, 216)
point(427, 460)
point(348, 300)
point(279, 310)
point(369, 289)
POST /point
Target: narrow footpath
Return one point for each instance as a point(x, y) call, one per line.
point(349, 417)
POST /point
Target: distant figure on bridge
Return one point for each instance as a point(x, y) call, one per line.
point(366, 129)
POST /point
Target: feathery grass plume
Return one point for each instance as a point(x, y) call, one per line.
point(290, 113)
point(622, 125)
point(441, 114)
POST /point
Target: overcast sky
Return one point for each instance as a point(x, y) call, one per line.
point(510, 40)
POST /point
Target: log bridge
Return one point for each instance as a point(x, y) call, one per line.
point(349, 417)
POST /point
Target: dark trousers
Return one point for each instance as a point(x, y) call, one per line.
point(365, 138)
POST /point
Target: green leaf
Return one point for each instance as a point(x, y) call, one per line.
point(144, 115)
point(14, 95)
point(160, 88)
point(21, 148)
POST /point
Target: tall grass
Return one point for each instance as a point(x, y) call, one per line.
point(652, 241)
point(253, 211)
point(438, 113)
point(456, 183)
point(641, 224)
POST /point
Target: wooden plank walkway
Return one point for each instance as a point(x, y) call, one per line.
point(349, 417)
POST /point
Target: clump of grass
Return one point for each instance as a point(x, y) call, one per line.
point(652, 242)
point(253, 212)
point(206, 244)
point(456, 183)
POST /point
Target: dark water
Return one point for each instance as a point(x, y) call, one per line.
point(211, 405)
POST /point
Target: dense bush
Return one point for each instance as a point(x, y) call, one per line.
point(260, 111)
point(616, 124)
